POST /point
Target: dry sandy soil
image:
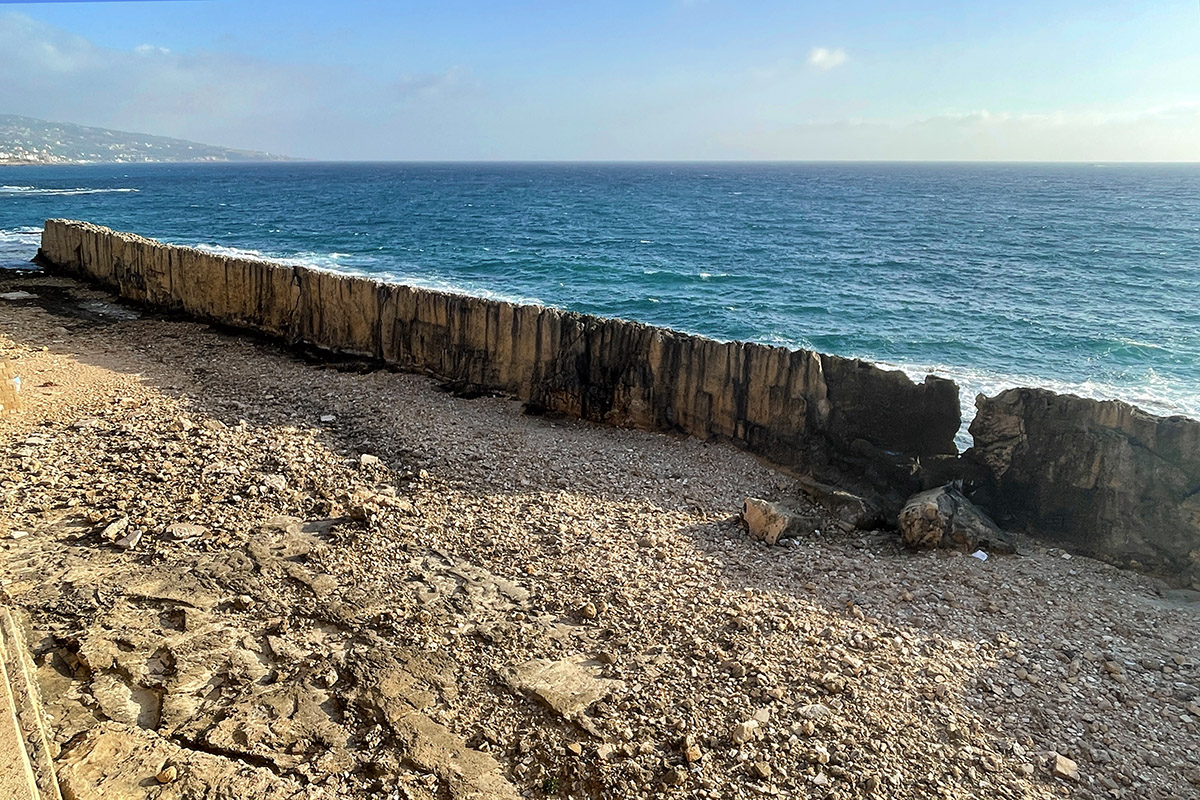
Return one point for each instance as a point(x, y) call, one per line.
point(245, 572)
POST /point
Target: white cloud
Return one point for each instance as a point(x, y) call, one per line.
point(431, 85)
point(218, 98)
point(826, 58)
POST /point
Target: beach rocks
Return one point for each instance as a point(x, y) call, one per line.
point(945, 518)
point(367, 658)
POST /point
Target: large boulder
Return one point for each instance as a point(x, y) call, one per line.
point(849, 511)
point(1102, 478)
point(945, 518)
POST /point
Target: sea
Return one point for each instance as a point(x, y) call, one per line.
point(1083, 278)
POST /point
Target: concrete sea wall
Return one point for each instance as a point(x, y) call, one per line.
point(821, 413)
point(1101, 478)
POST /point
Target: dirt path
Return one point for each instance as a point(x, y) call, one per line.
point(316, 579)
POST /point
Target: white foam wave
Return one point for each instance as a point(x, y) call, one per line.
point(18, 246)
point(346, 263)
point(20, 233)
point(52, 192)
point(1154, 395)
point(365, 266)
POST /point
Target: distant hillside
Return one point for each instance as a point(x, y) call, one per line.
point(24, 140)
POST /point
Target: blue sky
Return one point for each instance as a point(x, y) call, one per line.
point(676, 79)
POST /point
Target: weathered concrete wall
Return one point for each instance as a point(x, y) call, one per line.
point(796, 407)
point(1100, 477)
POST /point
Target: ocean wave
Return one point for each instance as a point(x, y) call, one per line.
point(366, 266)
point(18, 245)
point(1154, 395)
point(52, 192)
point(20, 233)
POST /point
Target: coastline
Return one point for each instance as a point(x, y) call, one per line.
point(1102, 478)
point(474, 544)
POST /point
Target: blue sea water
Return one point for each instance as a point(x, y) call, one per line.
point(1081, 278)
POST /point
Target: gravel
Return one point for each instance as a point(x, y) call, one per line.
point(374, 515)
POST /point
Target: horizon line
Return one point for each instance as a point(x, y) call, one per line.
point(293, 160)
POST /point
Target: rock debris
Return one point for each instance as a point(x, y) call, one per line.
point(245, 573)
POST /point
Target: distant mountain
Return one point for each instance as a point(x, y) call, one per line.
point(24, 140)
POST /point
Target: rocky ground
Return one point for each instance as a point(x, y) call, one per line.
point(248, 573)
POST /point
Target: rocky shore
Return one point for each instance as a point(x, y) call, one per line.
point(243, 573)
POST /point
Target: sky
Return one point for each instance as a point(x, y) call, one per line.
point(1023, 80)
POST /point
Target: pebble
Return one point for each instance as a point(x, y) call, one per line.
point(744, 731)
point(1063, 767)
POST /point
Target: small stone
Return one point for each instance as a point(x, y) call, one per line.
point(328, 418)
point(1065, 768)
point(815, 711)
point(167, 774)
point(833, 682)
point(674, 777)
point(575, 748)
point(743, 731)
point(605, 751)
point(762, 716)
point(186, 530)
point(367, 461)
point(129, 542)
point(589, 610)
point(870, 784)
point(769, 522)
point(115, 529)
point(276, 482)
point(761, 769)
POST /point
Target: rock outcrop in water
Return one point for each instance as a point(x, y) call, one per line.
point(799, 408)
point(1100, 477)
